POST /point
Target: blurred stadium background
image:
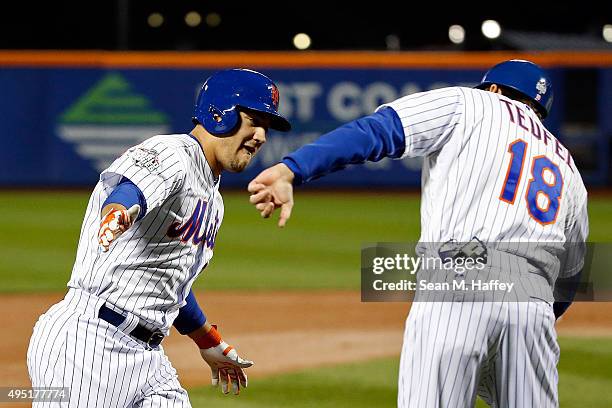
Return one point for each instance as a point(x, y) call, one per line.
point(81, 82)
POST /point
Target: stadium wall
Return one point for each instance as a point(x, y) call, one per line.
point(67, 114)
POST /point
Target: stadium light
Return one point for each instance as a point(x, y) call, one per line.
point(456, 34)
point(213, 19)
point(491, 29)
point(301, 41)
point(392, 41)
point(155, 20)
point(193, 19)
point(606, 32)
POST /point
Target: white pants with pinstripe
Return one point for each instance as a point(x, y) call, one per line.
point(101, 365)
point(505, 352)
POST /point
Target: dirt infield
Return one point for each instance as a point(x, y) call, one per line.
point(280, 331)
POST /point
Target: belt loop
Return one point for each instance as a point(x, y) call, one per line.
point(129, 324)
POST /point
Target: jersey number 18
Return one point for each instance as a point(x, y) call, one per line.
point(543, 195)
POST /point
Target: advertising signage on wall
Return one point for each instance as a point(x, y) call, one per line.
point(64, 124)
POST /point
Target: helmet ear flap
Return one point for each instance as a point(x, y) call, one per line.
point(218, 122)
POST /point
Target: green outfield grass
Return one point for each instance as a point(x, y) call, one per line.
point(584, 371)
point(319, 249)
point(371, 384)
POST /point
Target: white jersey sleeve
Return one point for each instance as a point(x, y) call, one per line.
point(155, 168)
point(429, 119)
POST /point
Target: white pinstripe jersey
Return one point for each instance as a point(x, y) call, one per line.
point(493, 171)
point(149, 270)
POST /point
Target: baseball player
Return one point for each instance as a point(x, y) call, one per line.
point(499, 183)
point(149, 230)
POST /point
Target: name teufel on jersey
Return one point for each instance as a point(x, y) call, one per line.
point(537, 131)
point(191, 228)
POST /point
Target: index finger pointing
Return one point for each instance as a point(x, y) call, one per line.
point(285, 214)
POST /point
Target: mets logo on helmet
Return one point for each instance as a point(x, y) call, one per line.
point(541, 86)
point(275, 95)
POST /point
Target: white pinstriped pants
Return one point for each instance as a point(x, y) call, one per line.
point(507, 353)
point(102, 366)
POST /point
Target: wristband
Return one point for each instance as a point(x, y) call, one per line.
point(210, 339)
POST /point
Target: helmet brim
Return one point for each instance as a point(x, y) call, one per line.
point(277, 122)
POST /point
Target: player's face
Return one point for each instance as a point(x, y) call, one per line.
point(237, 150)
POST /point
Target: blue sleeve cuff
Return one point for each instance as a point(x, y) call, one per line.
point(297, 178)
point(190, 316)
point(370, 138)
point(127, 194)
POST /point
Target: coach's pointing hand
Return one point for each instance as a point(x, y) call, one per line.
point(273, 189)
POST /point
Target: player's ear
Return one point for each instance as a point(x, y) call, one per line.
point(494, 88)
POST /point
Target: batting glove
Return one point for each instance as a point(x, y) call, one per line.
point(115, 223)
point(226, 365)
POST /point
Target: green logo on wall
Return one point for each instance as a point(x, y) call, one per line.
point(108, 119)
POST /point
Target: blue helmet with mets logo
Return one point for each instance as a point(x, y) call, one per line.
point(225, 92)
point(524, 77)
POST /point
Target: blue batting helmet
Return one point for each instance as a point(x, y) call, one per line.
point(524, 77)
point(226, 91)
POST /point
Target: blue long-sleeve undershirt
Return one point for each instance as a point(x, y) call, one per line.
point(127, 194)
point(190, 316)
point(370, 138)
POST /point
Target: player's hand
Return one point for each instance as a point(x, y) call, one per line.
point(227, 366)
point(225, 363)
point(273, 189)
point(115, 223)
